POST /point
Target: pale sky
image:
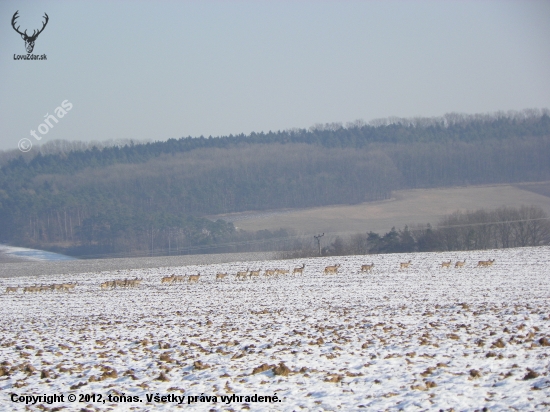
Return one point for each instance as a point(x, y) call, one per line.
point(154, 70)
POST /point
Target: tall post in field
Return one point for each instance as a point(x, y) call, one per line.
point(318, 239)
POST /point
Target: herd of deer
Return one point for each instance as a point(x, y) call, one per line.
point(119, 283)
point(179, 278)
point(241, 275)
point(459, 264)
point(65, 287)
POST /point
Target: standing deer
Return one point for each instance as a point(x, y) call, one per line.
point(332, 269)
point(168, 279)
point(485, 263)
point(446, 264)
point(405, 265)
point(241, 274)
point(29, 40)
point(106, 285)
point(367, 268)
point(178, 278)
point(254, 273)
point(299, 270)
point(194, 278)
point(460, 264)
point(134, 282)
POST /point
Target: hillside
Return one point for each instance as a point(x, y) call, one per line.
point(152, 198)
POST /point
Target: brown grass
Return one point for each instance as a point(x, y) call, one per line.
point(406, 207)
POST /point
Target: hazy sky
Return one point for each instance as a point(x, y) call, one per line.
point(158, 70)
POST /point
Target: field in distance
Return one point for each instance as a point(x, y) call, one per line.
point(406, 207)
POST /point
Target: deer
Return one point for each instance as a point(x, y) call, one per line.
point(106, 285)
point(56, 287)
point(367, 268)
point(485, 263)
point(241, 274)
point(31, 289)
point(405, 265)
point(220, 276)
point(194, 278)
point(177, 278)
point(282, 271)
point(13, 289)
point(254, 273)
point(460, 264)
point(121, 283)
point(134, 282)
point(68, 286)
point(270, 272)
point(29, 40)
point(168, 279)
point(332, 269)
point(446, 264)
point(299, 270)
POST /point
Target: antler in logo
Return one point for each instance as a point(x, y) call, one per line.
point(29, 40)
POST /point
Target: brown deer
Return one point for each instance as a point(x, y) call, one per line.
point(68, 286)
point(460, 264)
point(134, 282)
point(270, 272)
point(194, 278)
point(405, 265)
point(56, 287)
point(168, 279)
point(120, 283)
point(13, 289)
point(254, 273)
point(485, 263)
point(178, 279)
point(446, 264)
point(299, 270)
point(220, 276)
point(332, 269)
point(367, 268)
point(241, 274)
point(106, 285)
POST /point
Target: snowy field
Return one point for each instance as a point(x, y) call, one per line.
point(420, 338)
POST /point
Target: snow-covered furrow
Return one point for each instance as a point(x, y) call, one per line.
point(421, 338)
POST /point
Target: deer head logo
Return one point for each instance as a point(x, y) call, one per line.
point(29, 40)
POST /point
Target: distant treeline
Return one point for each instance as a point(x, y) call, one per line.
point(67, 157)
point(146, 197)
point(504, 227)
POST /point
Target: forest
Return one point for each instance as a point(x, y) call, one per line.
point(126, 198)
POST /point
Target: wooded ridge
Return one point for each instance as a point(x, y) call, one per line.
point(153, 196)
